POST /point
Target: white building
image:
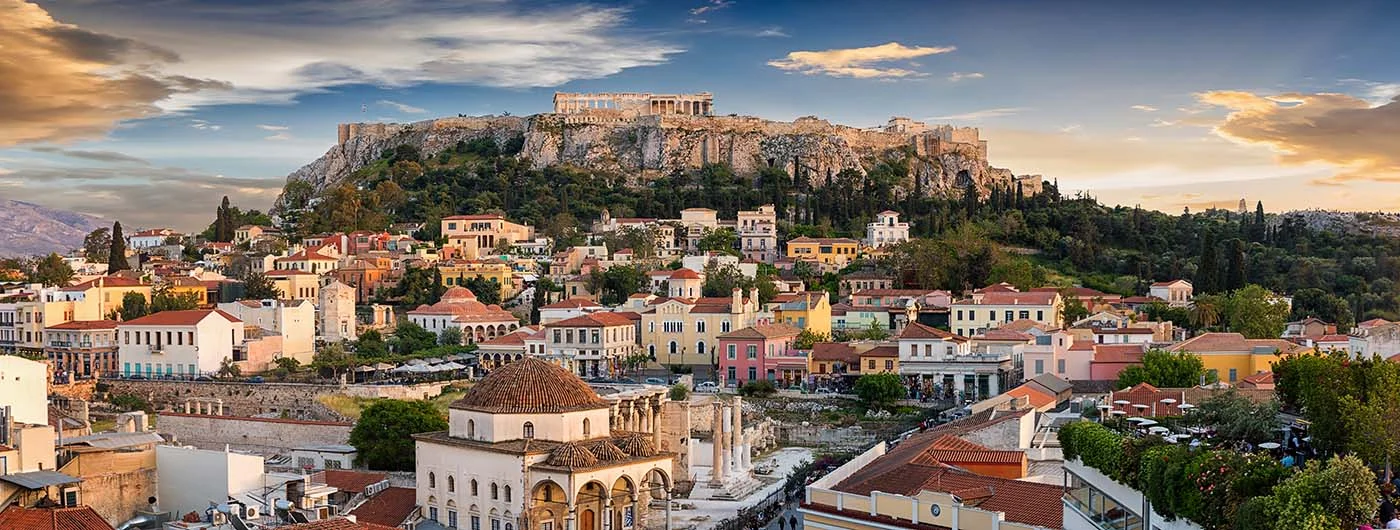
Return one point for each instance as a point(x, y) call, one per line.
point(886, 230)
point(988, 310)
point(194, 480)
point(149, 238)
point(336, 312)
point(758, 233)
point(1177, 293)
point(931, 356)
point(293, 320)
point(179, 342)
point(458, 308)
point(533, 447)
point(594, 345)
point(24, 388)
point(567, 308)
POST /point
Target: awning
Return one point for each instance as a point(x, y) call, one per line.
point(34, 480)
point(115, 440)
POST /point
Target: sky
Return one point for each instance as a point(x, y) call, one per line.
point(149, 111)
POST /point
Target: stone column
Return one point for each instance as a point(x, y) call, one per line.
point(720, 457)
point(656, 424)
point(738, 425)
point(219, 407)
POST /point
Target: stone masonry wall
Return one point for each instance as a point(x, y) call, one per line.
point(296, 400)
point(258, 435)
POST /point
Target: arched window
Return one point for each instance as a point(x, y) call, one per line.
point(651, 351)
point(673, 347)
point(700, 347)
point(473, 487)
point(585, 427)
point(451, 484)
point(471, 428)
point(495, 492)
point(432, 480)
point(529, 430)
point(507, 499)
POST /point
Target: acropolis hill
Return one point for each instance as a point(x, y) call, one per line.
point(644, 135)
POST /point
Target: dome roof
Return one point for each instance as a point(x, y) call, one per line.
point(636, 444)
point(606, 451)
point(572, 455)
point(530, 386)
point(685, 274)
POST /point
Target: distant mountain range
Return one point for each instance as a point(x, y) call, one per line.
point(27, 229)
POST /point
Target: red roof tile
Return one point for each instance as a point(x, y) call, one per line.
point(592, 320)
point(916, 330)
point(77, 325)
point(179, 318)
point(106, 281)
point(571, 303)
point(1012, 298)
point(684, 274)
point(888, 350)
point(763, 331)
point(16, 517)
point(834, 351)
point(389, 507)
point(352, 481)
point(529, 386)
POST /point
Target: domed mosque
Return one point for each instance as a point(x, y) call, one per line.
point(532, 447)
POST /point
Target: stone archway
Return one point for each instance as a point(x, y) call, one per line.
point(549, 504)
point(624, 503)
point(590, 503)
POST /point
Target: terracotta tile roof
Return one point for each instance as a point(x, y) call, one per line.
point(834, 351)
point(1023, 325)
point(529, 386)
point(1036, 398)
point(998, 334)
point(16, 517)
point(1012, 298)
point(179, 318)
point(572, 455)
point(684, 274)
point(84, 325)
point(1261, 378)
point(1208, 343)
point(352, 481)
point(867, 275)
point(572, 303)
point(1123, 331)
point(592, 320)
point(1169, 283)
point(1002, 287)
point(1333, 338)
point(881, 351)
point(763, 331)
point(1117, 353)
point(106, 281)
point(916, 330)
point(823, 240)
point(306, 255)
point(388, 508)
point(515, 338)
point(636, 444)
point(1372, 323)
point(897, 292)
point(287, 272)
point(477, 217)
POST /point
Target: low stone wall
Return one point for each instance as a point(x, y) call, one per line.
point(81, 389)
point(258, 435)
point(295, 400)
point(825, 436)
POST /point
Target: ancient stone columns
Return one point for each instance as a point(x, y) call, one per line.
point(731, 452)
point(204, 406)
point(737, 445)
point(720, 456)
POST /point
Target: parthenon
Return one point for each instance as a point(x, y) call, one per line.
point(636, 104)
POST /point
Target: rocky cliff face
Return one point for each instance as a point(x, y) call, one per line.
point(29, 229)
point(643, 147)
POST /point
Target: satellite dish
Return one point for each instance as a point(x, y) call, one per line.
point(283, 504)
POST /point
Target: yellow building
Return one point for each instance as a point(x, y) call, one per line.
point(881, 359)
point(476, 235)
point(108, 291)
point(187, 286)
point(459, 272)
point(684, 331)
point(1232, 357)
point(804, 310)
point(296, 285)
point(831, 253)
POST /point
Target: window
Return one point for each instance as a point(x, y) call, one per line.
point(1040, 315)
point(753, 373)
point(476, 522)
point(585, 427)
point(451, 484)
point(700, 326)
point(1060, 366)
point(870, 364)
point(1008, 316)
point(495, 524)
point(1232, 375)
point(673, 348)
point(1024, 314)
point(751, 351)
point(700, 347)
point(731, 374)
point(507, 499)
point(529, 430)
point(724, 326)
point(474, 487)
point(731, 350)
point(889, 365)
point(1039, 366)
point(432, 513)
point(960, 314)
point(432, 480)
point(495, 492)
point(471, 428)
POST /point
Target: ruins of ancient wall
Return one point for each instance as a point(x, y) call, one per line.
point(259, 435)
point(296, 400)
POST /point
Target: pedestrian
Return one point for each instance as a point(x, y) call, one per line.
point(1387, 513)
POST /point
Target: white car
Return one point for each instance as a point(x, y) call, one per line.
point(707, 387)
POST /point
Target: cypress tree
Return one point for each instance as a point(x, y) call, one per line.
point(116, 256)
point(1234, 276)
point(1208, 272)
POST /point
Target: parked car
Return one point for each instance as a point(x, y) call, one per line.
point(255, 379)
point(655, 381)
point(707, 387)
point(204, 378)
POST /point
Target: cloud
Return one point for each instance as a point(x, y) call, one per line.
point(274, 127)
point(205, 125)
point(97, 156)
point(978, 115)
point(142, 58)
point(959, 76)
point(63, 83)
point(401, 107)
point(774, 31)
point(714, 5)
point(280, 132)
point(1144, 108)
point(1346, 132)
point(1163, 123)
point(1071, 128)
point(860, 63)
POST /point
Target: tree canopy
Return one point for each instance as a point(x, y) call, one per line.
point(1164, 369)
point(383, 436)
point(879, 390)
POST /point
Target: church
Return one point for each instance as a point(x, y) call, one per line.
point(532, 447)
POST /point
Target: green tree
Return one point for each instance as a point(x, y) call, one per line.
point(51, 271)
point(133, 306)
point(1206, 310)
point(163, 298)
point(1164, 369)
point(410, 338)
point(619, 282)
point(383, 436)
point(1239, 418)
point(116, 255)
point(418, 286)
point(257, 286)
point(1208, 272)
point(807, 338)
point(1235, 268)
point(1072, 309)
point(1256, 313)
point(333, 358)
point(487, 291)
point(289, 364)
point(229, 368)
point(371, 345)
point(97, 244)
point(450, 337)
point(879, 390)
point(678, 392)
point(722, 240)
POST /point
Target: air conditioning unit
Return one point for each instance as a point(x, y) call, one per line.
point(218, 518)
point(251, 512)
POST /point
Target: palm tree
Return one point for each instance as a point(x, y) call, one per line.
point(1205, 311)
point(227, 368)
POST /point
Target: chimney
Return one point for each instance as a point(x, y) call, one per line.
point(736, 300)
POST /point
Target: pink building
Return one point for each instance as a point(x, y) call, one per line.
point(758, 352)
